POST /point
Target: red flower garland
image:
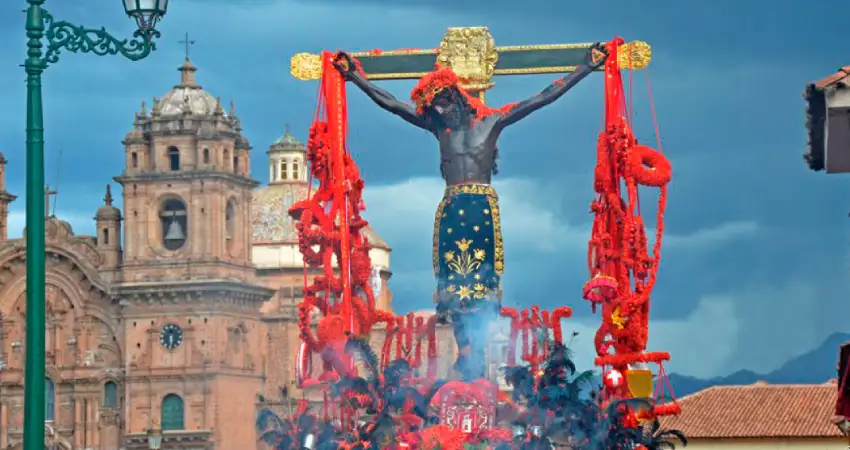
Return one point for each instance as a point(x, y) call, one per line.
point(623, 272)
point(444, 77)
point(648, 166)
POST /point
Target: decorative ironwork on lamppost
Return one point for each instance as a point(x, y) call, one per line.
point(46, 38)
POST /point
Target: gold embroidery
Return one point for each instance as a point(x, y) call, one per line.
point(476, 228)
point(464, 264)
point(464, 292)
point(493, 200)
point(479, 189)
point(499, 249)
point(460, 212)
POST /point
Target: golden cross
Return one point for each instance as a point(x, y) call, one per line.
point(472, 53)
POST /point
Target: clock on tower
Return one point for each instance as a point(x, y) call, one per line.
point(171, 336)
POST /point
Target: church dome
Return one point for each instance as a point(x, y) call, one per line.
point(188, 98)
point(273, 229)
point(289, 141)
point(270, 217)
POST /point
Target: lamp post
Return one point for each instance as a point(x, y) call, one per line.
point(154, 438)
point(73, 38)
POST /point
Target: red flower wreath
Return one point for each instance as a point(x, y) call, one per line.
point(444, 77)
point(648, 166)
point(430, 85)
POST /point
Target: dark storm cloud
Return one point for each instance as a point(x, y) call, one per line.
point(751, 229)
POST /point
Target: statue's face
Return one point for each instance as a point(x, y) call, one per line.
point(449, 107)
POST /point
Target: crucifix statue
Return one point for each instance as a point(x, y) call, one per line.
point(468, 256)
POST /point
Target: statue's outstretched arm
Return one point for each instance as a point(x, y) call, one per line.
point(386, 100)
point(553, 92)
point(596, 56)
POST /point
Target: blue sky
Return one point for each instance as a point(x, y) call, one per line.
point(754, 267)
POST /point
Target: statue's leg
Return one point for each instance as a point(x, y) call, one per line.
point(468, 262)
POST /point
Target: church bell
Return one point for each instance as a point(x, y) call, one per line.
point(175, 233)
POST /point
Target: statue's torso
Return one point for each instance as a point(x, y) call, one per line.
point(468, 154)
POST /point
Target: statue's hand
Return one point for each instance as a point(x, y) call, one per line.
point(345, 64)
point(596, 55)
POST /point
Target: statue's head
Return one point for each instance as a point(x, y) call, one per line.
point(439, 97)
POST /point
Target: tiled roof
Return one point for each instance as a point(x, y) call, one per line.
point(835, 78)
point(759, 410)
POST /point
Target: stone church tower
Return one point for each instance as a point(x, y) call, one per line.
point(191, 316)
point(181, 308)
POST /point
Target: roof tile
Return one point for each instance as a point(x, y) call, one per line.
point(759, 410)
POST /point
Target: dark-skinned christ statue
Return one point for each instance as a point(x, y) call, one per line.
point(468, 256)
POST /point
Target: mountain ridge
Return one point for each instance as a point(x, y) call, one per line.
point(813, 367)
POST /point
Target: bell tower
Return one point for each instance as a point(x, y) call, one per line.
point(108, 222)
point(187, 189)
point(188, 289)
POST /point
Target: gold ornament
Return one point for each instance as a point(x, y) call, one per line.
point(636, 54)
point(472, 55)
point(306, 66)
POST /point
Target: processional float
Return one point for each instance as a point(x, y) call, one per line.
point(339, 303)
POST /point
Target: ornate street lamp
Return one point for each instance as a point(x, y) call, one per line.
point(146, 12)
point(154, 435)
point(46, 38)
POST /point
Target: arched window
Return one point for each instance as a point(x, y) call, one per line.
point(134, 159)
point(295, 174)
point(49, 399)
point(229, 219)
point(174, 158)
point(110, 394)
point(106, 236)
point(206, 156)
point(174, 220)
point(172, 412)
point(284, 171)
point(226, 158)
point(235, 164)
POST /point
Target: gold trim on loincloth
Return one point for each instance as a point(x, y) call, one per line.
point(493, 199)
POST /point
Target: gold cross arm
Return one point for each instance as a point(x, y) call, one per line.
point(471, 52)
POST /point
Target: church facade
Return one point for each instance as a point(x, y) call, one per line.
point(180, 313)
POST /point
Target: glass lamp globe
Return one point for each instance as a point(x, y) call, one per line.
point(146, 12)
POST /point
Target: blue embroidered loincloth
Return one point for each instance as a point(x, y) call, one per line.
point(468, 254)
